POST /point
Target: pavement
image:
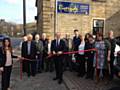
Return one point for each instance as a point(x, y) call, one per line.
point(77, 83)
point(44, 81)
point(41, 81)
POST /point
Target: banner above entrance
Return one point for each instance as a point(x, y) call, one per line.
point(72, 8)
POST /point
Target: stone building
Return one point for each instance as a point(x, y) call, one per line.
point(92, 16)
point(7, 28)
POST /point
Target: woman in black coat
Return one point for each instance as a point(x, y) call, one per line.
point(6, 63)
point(90, 57)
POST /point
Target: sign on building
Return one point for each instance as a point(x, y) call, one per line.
point(72, 8)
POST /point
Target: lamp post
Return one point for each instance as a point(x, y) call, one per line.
point(24, 17)
point(55, 18)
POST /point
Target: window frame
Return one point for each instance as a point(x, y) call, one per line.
point(98, 29)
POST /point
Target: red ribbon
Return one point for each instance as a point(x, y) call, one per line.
point(65, 53)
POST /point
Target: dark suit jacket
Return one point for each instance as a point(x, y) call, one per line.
point(61, 46)
point(24, 50)
point(3, 57)
point(76, 43)
point(39, 47)
point(45, 42)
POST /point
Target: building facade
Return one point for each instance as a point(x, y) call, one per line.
point(7, 28)
point(88, 16)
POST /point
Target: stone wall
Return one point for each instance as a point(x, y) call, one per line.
point(84, 23)
point(49, 22)
point(113, 16)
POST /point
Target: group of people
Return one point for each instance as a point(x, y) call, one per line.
point(36, 50)
point(41, 54)
point(100, 58)
point(46, 54)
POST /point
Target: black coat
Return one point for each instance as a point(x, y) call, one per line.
point(89, 54)
point(45, 42)
point(24, 50)
point(76, 42)
point(113, 44)
point(3, 57)
point(39, 47)
point(46, 48)
point(61, 46)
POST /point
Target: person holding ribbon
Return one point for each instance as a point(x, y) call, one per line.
point(29, 53)
point(81, 56)
point(75, 43)
point(49, 61)
point(39, 52)
point(68, 58)
point(6, 63)
point(58, 48)
point(102, 62)
point(89, 56)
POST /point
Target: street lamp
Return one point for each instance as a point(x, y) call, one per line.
point(55, 18)
point(24, 17)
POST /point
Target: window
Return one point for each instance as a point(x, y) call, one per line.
point(98, 26)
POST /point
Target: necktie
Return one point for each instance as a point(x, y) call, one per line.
point(57, 43)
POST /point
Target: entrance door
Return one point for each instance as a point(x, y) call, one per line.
point(98, 26)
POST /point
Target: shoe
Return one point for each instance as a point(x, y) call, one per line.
point(71, 70)
point(33, 75)
point(28, 75)
point(60, 81)
point(46, 70)
point(51, 70)
point(82, 76)
point(79, 75)
point(55, 78)
point(9, 89)
point(87, 77)
point(39, 71)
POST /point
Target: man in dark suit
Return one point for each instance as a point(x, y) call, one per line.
point(49, 61)
point(112, 41)
point(45, 42)
point(76, 40)
point(75, 43)
point(39, 52)
point(22, 51)
point(58, 48)
point(68, 58)
point(29, 52)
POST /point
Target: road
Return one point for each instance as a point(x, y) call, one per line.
point(15, 42)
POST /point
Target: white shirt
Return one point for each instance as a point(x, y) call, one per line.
point(117, 48)
point(49, 47)
point(8, 58)
point(81, 47)
point(29, 45)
